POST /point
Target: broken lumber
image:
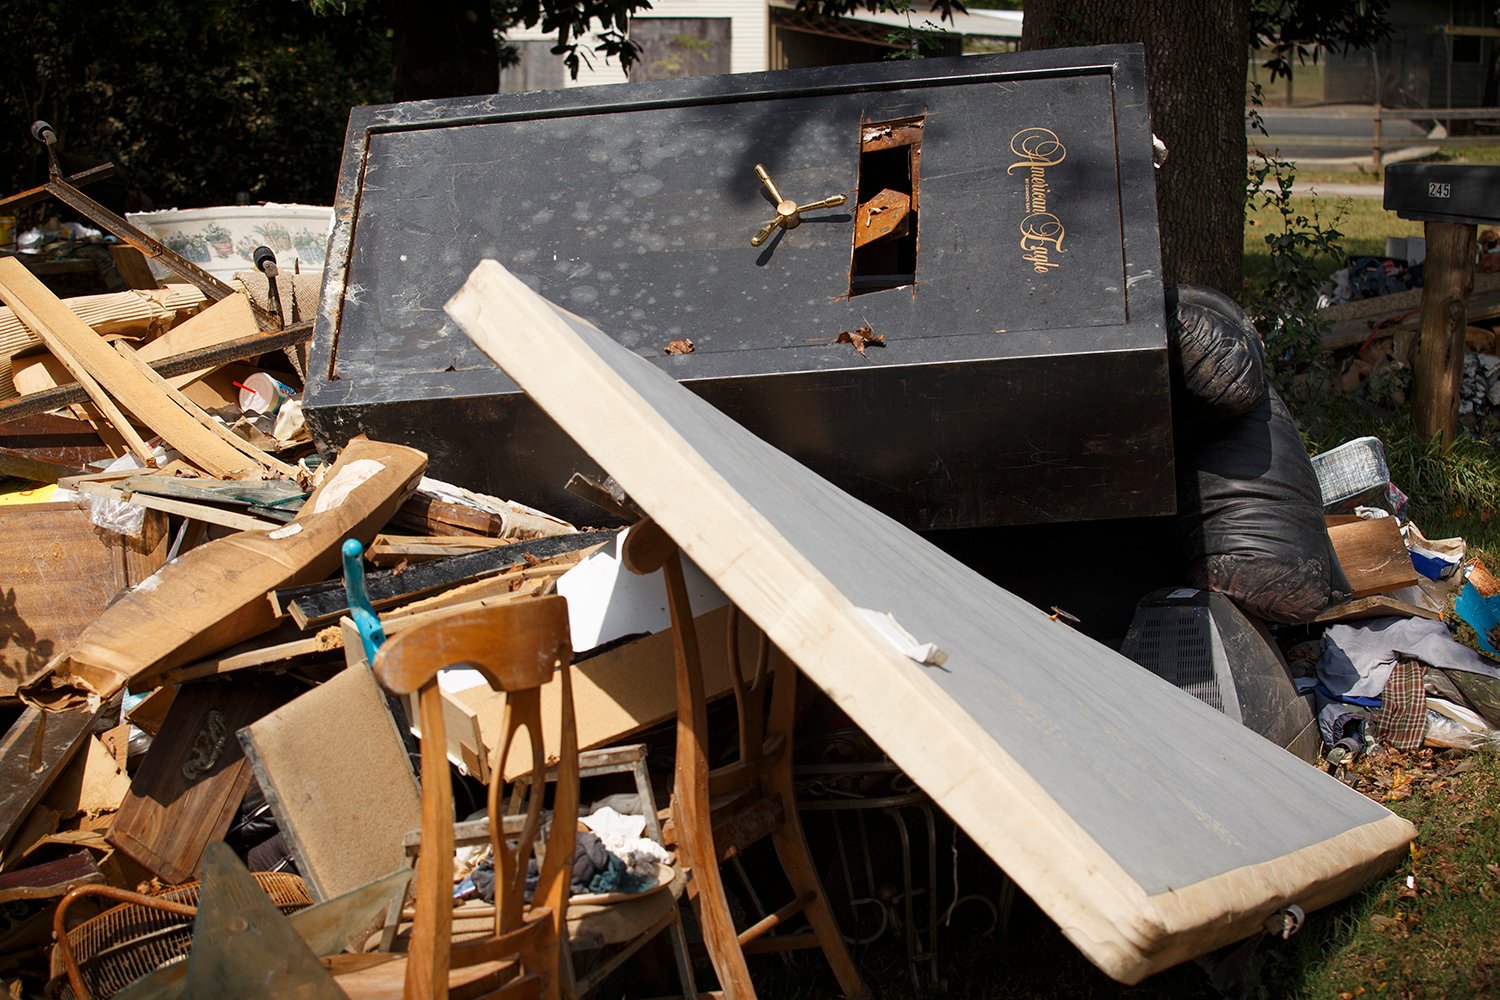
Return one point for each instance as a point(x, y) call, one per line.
point(33, 755)
point(388, 550)
point(215, 595)
point(197, 511)
point(192, 409)
point(321, 604)
point(88, 356)
point(1352, 323)
point(191, 362)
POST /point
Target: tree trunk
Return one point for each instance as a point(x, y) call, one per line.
point(1197, 55)
point(443, 48)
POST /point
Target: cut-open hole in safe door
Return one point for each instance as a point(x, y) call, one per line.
point(885, 216)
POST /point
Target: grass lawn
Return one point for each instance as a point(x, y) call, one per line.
point(1362, 224)
point(1453, 493)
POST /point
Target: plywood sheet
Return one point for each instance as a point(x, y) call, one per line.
point(58, 572)
point(1148, 826)
point(1373, 555)
point(190, 783)
point(337, 777)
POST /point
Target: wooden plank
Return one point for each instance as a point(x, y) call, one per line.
point(223, 322)
point(49, 879)
point(215, 595)
point(149, 714)
point(195, 411)
point(37, 470)
point(1373, 555)
point(336, 775)
point(1084, 777)
point(388, 550)
point(64, 440)
point(191, 362)
point(188, 787)
point(1375, 606)
point(197, 511)
point(68, 337)
point(57, 574)
point(256, 653)
point(319, 605)
point(33, 755)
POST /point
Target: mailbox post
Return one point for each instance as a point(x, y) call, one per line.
point(1451, 200)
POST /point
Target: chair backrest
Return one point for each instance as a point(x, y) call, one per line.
point(517, 648)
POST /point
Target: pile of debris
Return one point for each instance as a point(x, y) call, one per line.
point(166, 587)
point(1406, 663)
point(1373, 339)
point(224, 696)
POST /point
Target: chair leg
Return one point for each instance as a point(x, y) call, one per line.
point(712, 907)
point(796, 861)
point(684, 959)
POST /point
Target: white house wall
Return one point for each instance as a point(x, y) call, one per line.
point(747, 36)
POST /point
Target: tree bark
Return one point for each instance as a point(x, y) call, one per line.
point(1197, 55)
point(443, 48)
point(1438, 366)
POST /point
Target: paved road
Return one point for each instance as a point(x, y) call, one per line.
point(1293, 130)
point(1339, 190)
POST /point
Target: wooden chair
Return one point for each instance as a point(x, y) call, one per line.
point(718, 814)
point(517, 647)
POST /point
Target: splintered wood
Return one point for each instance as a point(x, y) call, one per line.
point(100, 370)
point(215, 595)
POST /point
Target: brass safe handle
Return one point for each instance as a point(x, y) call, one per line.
point(788, 212)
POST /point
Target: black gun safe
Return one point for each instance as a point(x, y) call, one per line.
point(994, 253)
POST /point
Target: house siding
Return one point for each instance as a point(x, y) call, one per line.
point(747, 39)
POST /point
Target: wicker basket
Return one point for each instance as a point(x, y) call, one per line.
point(129, 941)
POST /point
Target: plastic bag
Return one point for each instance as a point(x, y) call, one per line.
point(116, 515)
point(1216, 354)
point(1250, 515)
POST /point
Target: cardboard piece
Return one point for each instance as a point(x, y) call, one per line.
point(336, 775)
point(1150, 827)
point(215, 595)
point(34, 753)
point(114, 312)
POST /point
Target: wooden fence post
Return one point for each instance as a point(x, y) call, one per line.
point(1439, 361)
